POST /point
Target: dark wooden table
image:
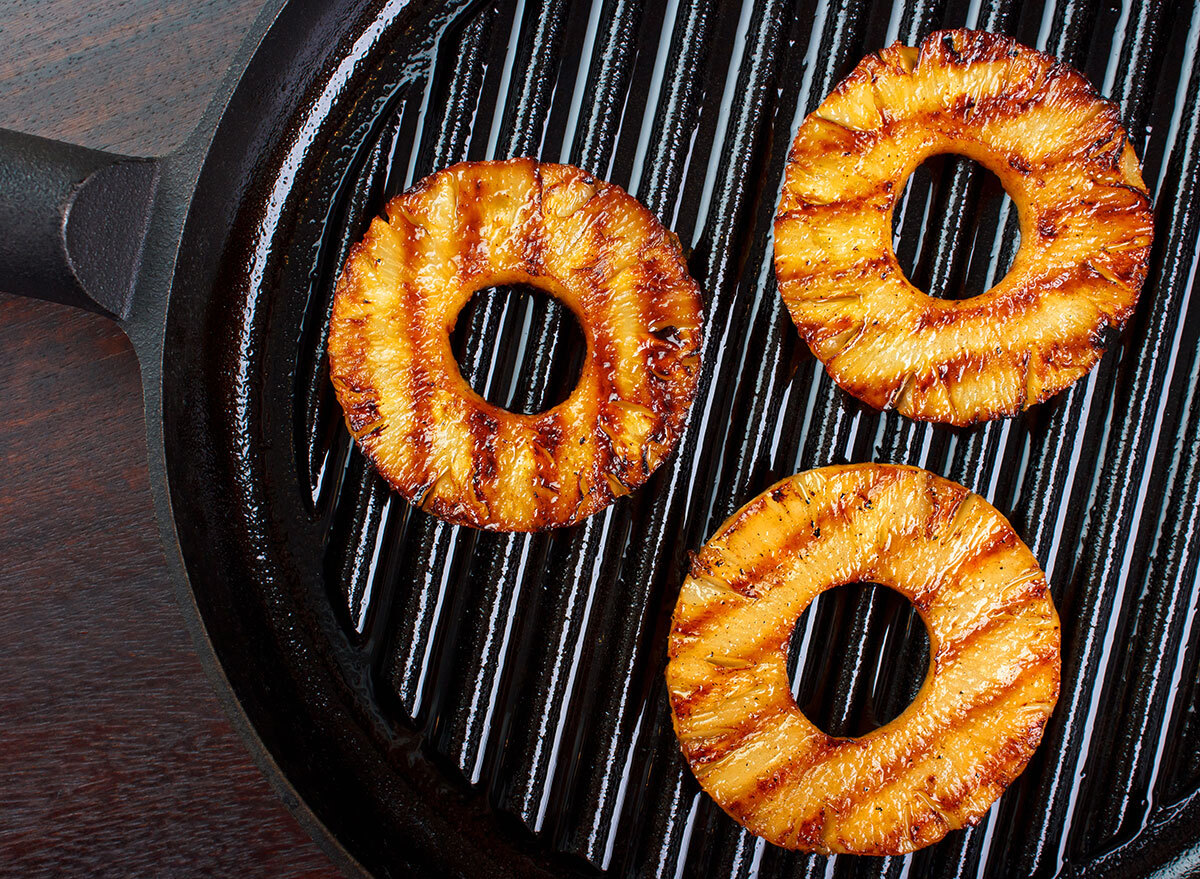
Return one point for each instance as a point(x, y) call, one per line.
point(115, 757)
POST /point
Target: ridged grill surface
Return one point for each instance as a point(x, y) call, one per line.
point(533, 663)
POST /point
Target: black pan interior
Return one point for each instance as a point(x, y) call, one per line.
point(454, 702)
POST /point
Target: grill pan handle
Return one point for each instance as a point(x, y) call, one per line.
point(73, 222)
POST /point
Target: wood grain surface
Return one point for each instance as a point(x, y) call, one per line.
point(115, 757)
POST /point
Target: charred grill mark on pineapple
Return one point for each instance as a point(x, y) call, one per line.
point(1061, 152)
point(478, 224)
point(899, 769)
point(660, 347)
point(994, 666)
point(419, 389)
point(998, 771)
point(1003, 614)
point(354, 388)
point(1000, 766)
point(548, 487)
point(709, 748)
point(750, 579)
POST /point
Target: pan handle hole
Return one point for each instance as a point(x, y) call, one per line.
point(519, 348)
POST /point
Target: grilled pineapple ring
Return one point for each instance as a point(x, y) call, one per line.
point(1086, 224)
point(599, 252)
point(993, 675)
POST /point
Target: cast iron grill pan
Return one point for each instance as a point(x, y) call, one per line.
point(517, 679)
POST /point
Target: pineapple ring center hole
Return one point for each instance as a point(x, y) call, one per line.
point(857, 658)
point(955, 230)
point(498, 345)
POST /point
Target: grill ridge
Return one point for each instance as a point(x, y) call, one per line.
point(409, 659)
point(674, 810)
point(529, 796)
point(484, 659)
point(1100, 575)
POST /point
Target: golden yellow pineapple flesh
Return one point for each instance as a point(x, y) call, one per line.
point(588, 243)
point(1086, 226)
point(993, 676)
